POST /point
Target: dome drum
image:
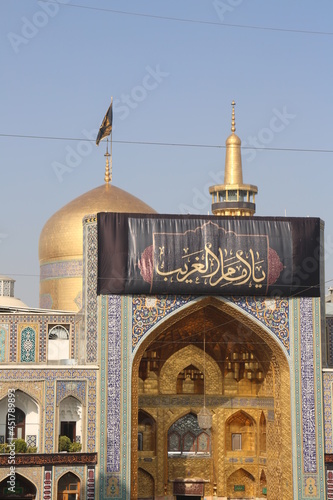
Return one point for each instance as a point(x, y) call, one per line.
point(229, 205)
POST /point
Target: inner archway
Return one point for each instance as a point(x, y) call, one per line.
point(247, 384)
point(69, 486)
point(17, 488)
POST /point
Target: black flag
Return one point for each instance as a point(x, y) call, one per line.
point(106, 127)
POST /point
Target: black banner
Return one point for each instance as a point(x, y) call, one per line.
point(197, 255)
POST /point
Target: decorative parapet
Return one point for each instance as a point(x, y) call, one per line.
point(38, 459)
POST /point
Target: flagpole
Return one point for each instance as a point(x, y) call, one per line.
point(107, 176)
point(111, 153)
point(105, 130)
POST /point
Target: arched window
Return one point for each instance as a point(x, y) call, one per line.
point(240, 433)
point(262, 427)
point(70, 419)
point(186, 438)
point(189, 443)
point(190, 381)
point(58, 332)
point(58, 343)
point(69, 487)
point(140, 441)
point(16, 431)
point(174, 442)
point(27, 418)
point(146, 432)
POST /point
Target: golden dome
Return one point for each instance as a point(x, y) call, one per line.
point(61, 243)
point(233, 139)
point(62, 235)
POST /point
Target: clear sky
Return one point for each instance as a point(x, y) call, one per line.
point(172, 81)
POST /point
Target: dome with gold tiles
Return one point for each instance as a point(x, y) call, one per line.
point(61, 243)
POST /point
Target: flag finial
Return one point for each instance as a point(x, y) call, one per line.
point(105, 130)
point(108, 166)
point(233, 124)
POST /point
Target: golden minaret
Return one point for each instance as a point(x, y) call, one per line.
point(233, 197)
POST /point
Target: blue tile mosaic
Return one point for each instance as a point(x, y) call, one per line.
point(75, 388)
point(147, 311)
point(328, 406)
point(114, 380)
point(91, 283)
point(31, 440)
point(307, 381)
point(63, 269)
point(273, 313)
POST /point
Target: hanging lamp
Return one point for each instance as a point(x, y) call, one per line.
point(204, 416)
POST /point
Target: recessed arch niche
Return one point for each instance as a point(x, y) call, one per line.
point(21, 487)
point(261, 386)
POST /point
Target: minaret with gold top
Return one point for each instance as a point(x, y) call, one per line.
point(233, 197)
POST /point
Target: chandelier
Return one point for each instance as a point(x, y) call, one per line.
point(204, 416)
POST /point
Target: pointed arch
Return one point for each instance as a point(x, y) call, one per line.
point(186, 437)
point(17, 418)
point(190, 355)
point(243, 417)
point(68, 484)
point(234, 326)
point(70, 418)
point(240, 484)
point(27, 417)
point(146, 432)
point(58, 346)
point(262, 433)
point(240, 433)
point(22, 485)
point(146, 485)
point(72, 395)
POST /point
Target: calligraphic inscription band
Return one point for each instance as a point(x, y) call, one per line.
point(199, 255)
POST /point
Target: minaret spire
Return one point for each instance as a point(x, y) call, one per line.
point(233, 126)
point(233, 197)
point(233, 173)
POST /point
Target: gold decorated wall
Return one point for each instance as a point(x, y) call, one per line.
point(213, 353)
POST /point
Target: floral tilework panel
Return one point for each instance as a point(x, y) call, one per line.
point(75, 388)
point(28, 345)
point(148, 310)
point(273, 313)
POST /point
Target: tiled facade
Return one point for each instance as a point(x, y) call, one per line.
point(23, 355)
point(110, 331)
point(290, 322)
